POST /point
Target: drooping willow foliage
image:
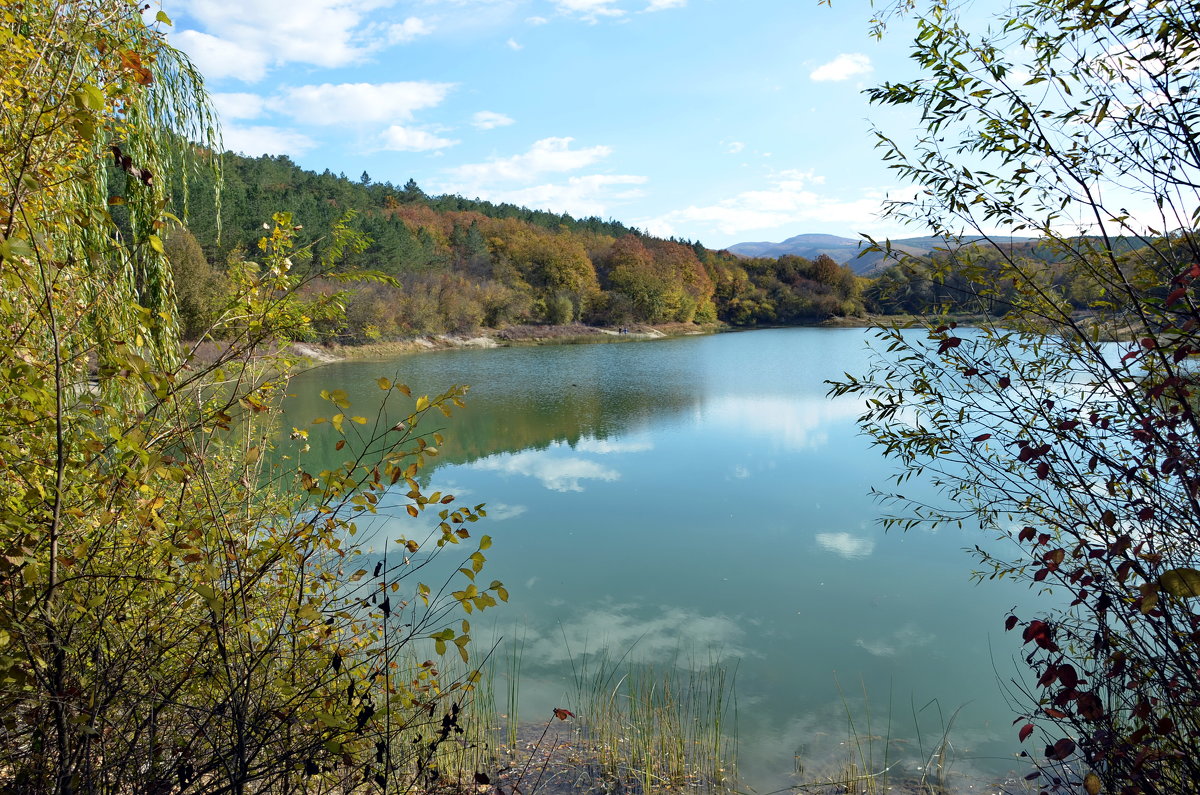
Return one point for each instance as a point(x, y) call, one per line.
point(97, 118)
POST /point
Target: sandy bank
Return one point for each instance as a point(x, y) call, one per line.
point(498, 338)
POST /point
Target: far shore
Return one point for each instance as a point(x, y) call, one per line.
point(528, 335)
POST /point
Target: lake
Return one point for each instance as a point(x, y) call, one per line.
point(700, 497)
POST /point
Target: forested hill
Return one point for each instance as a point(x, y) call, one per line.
point(465, 263)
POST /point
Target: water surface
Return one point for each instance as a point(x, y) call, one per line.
point(702, 497)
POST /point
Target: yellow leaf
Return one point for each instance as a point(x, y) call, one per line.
point(1183, 583)
point(422, 403)
point(1091, 784)
point(384, 384)
point(156, 243)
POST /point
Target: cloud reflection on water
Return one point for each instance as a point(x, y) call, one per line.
point(666, 634)
point(849, 546)
point(609, 446)
point(906, 638)
point(790, 421)
point(557, 473)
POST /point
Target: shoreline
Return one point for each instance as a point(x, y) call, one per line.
point(319, 353)
point(511, 336)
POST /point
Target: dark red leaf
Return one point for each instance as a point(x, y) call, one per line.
point(1026, 730)
point(948, 343)
point(563, 714)
point(1010, 622)
point(983, 437)
point(1061, 749)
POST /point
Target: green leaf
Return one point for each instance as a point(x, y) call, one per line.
point(162, 17)
point(156, 243)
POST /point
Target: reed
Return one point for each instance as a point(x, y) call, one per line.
point(651, 728)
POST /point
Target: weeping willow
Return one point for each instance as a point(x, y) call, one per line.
point(98, 114)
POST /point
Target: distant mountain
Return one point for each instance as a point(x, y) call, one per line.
point(845, 250)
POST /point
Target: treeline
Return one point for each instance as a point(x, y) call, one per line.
point(458, 264)
point(982, 279)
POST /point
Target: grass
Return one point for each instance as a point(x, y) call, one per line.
point(647, 728)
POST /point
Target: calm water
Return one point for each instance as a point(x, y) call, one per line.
point(703, 496)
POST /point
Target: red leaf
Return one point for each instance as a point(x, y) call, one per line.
point(1010, 622)
point(1043, 471)
point(563, 714)
point(1004, 382)
point(948, 343)
point(983, 437)
point(1061, 749)
point(1176, 295)
point(1026, 730)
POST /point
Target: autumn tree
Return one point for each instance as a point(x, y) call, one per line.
point(182, 607)
point(1073, 120)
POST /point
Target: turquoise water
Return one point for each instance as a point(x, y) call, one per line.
point(701, 497)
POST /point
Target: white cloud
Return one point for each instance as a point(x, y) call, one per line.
point(238, 105)
point(555, 473)
point(350, 103)
point(217, 58)
point(513, 44)
point(548, 155)
point(733, 147)
point(589, 10)
point(327, 33)
point(408, 30)
point(407, 139)
point(788, 201)
point(849, 546)
point(490, 120)
point(506, 179)
point(581, 197)
point(662, 5)
point(260, 140)
point(537, 20)
point(843, 67)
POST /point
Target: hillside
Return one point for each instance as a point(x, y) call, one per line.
point(458, 264)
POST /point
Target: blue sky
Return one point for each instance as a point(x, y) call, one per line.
point(717, 120)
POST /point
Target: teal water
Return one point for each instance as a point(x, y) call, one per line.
point(702, 497)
